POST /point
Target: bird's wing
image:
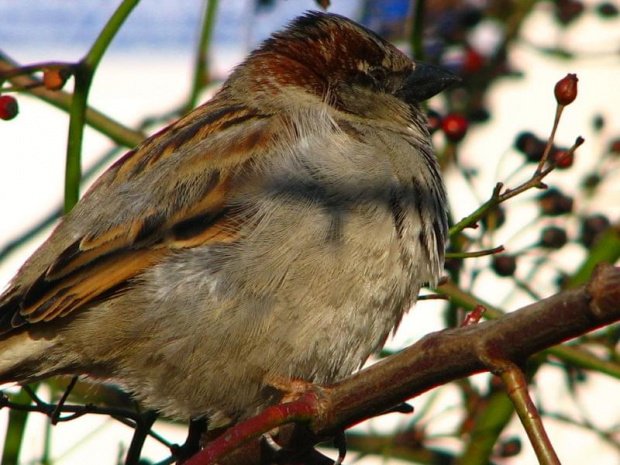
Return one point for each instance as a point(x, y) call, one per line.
point(171, 192)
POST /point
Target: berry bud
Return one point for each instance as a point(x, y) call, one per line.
point(530, 145)
point(566, 89)
point(453, 265)
point(562, 158)
point(553, 238)
point(54, 79)
point(509, 447)
point(472, 61)
point(568, 11)
point(504, 265)
point(494, 219)
point(598, 122)
point(607, 10)
point(454, 127)
point(554, 203)
point(591, 229)
point(591, 182)
point(8, 107)
point(479, 114)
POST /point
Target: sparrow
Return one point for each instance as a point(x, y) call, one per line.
point(274, 235)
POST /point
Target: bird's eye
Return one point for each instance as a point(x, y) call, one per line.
point(378, 74)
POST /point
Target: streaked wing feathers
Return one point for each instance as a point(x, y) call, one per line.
point(104, 260)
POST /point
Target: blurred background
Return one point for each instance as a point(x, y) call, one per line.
point(510, 55)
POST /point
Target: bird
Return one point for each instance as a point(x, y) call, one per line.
point(274, 235)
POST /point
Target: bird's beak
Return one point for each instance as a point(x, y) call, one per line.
point(425, 81)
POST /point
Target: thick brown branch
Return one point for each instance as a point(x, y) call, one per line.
point(454, 353)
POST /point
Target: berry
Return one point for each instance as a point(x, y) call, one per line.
point(591, 229)
point(553, 237)
point(470, 17)
point(509, 447)
point(495, 218)
point(54, 79)
point(562, 158)
point(454, 126)
point(453, 265)
point(8, 107)
point(607, 10)
point(566, 89)
point(472, 62)
point(530, 145)
point(554, 203)
point(568, 10)
point(614, 146)
point(591, 181)
point(504, 265)
point(598, 122)
point(478, 114)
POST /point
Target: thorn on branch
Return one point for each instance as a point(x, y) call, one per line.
point(474, 316)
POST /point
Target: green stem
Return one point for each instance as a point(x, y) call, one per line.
point(77, 113)
point(417, 29)
point(16, 428)
point(84, 72)
point(478, 253)
point(201, 65)
point(93, 57)
point(498, 197)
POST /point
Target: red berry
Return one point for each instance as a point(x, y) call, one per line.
point(8, 107)
point(454, 127)
point(472, 62)
point(566, 89)
point(614, 146)
point(562, 158)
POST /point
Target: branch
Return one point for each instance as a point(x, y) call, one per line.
point(120, 134)
point(436, 359)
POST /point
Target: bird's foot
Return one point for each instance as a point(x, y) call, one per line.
point(192, 443)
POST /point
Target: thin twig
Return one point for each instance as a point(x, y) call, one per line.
point(478, 253)
point(498, 197)
point(56, 413)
